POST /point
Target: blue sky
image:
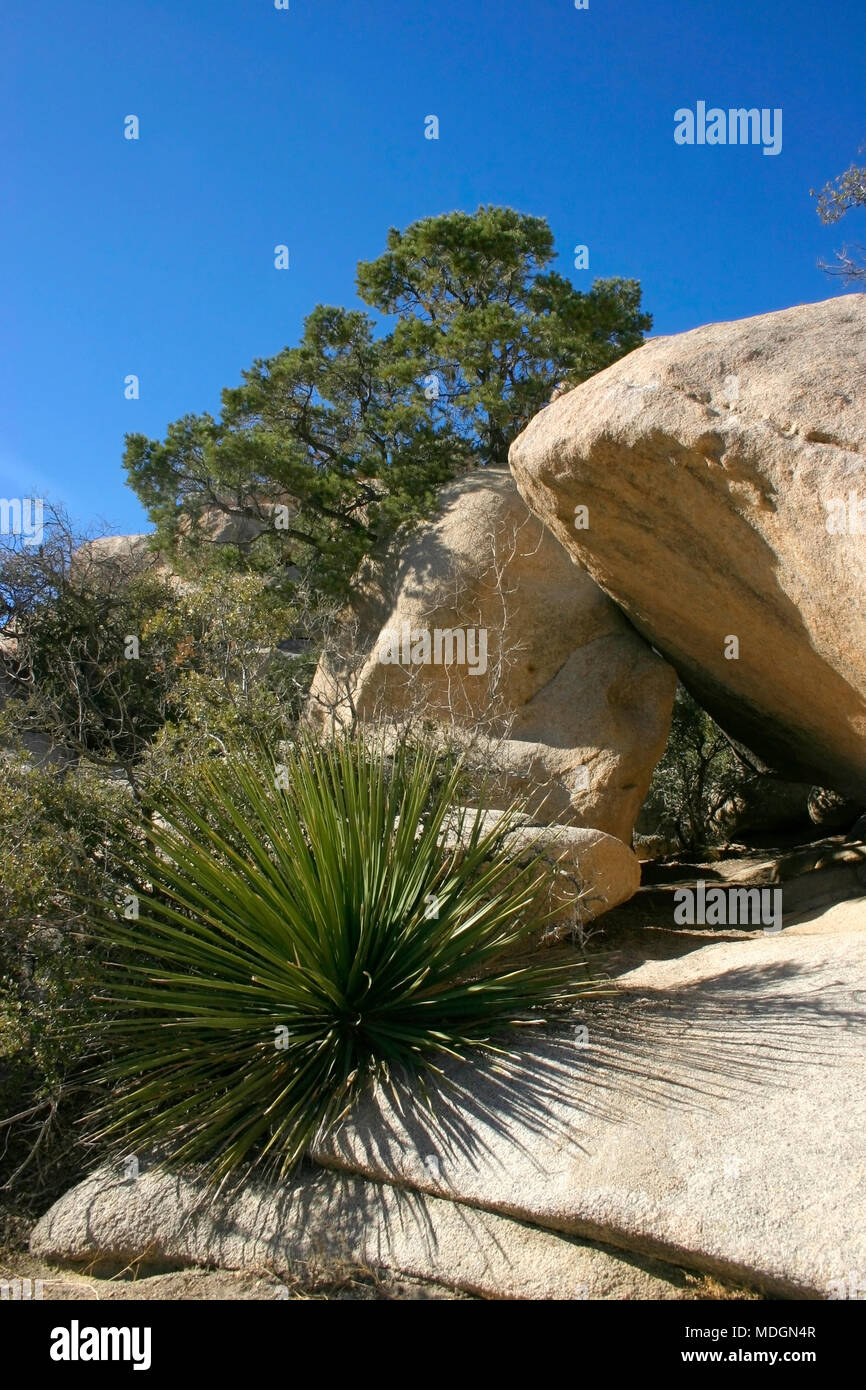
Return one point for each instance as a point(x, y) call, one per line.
point(306, 127)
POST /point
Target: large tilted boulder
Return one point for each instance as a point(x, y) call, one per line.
point(533, 666)
point(724, 473)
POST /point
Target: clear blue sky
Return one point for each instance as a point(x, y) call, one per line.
point(306, 127)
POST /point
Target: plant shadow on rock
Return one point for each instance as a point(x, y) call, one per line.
point(696, 1048)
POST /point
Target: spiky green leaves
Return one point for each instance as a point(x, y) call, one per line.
point(303, 930)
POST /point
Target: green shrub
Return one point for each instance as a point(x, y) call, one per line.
point(112, 663)
point(57, 837)
point(697, 774)
point(297, 941)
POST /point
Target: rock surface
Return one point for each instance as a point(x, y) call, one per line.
point(724, 471)
point(321, 1218)
point(715, 1115)
point(591, 872)
point(567, 705)
point(712, 1117)
point(766, 806)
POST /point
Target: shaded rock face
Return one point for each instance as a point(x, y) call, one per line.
point(724, 472)
point(491, 632)
point(831, 811)
point(766, 806)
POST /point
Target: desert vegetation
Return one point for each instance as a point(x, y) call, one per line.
point(135, 677)
point(233, 898)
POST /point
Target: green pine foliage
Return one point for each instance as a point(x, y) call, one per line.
point(354, 430)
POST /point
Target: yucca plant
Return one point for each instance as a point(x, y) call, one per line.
point(303, 929)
